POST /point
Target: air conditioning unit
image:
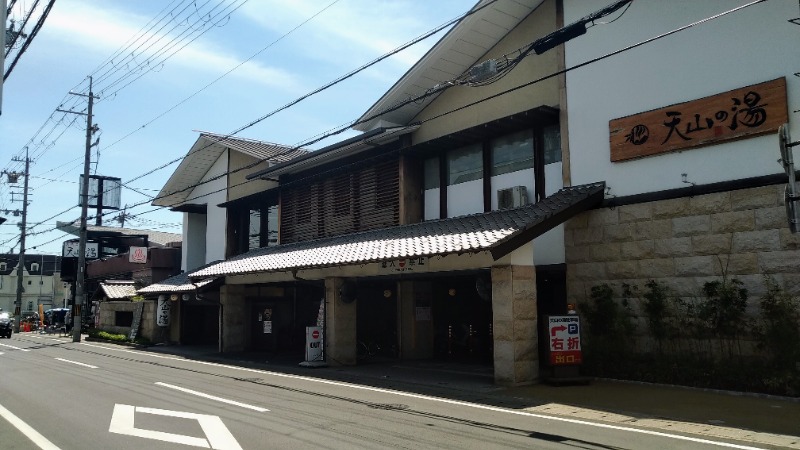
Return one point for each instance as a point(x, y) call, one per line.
point(512, 197)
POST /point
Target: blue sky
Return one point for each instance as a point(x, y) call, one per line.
point(140, 130)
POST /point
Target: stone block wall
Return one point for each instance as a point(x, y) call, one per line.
point(147, 329)
point(684, 243)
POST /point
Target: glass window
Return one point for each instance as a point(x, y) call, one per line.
point(432, 173)
point(512, 152)
point(552, 144)
point(465, 164)
point(272, 226)
point(254, 230)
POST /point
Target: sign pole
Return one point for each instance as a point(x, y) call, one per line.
point(80, 293)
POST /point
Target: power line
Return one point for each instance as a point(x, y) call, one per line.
point(29, 39)
point(446, 86)
point(223, 75)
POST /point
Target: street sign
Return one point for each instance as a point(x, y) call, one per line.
point(564, 333)
point(313, 344)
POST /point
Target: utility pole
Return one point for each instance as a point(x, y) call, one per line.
point(80, 293)
point(22, 231)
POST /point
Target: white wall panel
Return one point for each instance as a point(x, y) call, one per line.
point(747, 47)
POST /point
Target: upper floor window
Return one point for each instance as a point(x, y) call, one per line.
point(34, 267)
point(254, 229)
point(431, 174)
point(551, 137)
point(261, 225)
point(465, 164)
point(512, 152)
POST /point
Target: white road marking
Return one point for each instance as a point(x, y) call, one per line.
point(15, 348)
point(76, 362)
point(219, 399)
point(27, 430)
point(445, 400)
point(218, 436)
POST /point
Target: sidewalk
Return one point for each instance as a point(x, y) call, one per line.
point(762, 421)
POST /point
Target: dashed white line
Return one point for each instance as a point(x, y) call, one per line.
point(76, 363)
point(15, 348)
point(219, 399)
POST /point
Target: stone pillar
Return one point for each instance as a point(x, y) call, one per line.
point(340, 325)
point(516, 356)
point(416, 333)
point(233, 309)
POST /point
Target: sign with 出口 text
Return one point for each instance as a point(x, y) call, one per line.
point(744, 112)
point(564, 333)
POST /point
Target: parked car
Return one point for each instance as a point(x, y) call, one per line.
point(6, 325)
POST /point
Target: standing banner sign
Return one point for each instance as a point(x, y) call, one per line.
point(564, 333)
point(162, 313)
point(313, 344)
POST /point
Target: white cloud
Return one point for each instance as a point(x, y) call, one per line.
point(363, 28)
point(104, 31)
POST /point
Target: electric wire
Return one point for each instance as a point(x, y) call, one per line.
point(471, 104)
point(29, 39)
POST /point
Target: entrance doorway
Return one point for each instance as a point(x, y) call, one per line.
point(551, 296)
point(462, 319)
point(200, 324)
point(376, 331)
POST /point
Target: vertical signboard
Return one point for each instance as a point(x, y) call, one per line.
point(137, 320)
point(313, 344)
point(163, 312)
point(564, 333)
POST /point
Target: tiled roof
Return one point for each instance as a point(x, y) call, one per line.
point(204, 154)
point(496, 231)
point(259, 149)
point(177, 283)
point(464, 45)
point(154, 238)
point(114, 289)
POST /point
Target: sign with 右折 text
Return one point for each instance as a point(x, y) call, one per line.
point(564, 333)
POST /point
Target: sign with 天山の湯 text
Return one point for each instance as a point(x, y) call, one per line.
point(744, 112)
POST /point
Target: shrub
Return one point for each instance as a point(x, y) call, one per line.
point(777, 328)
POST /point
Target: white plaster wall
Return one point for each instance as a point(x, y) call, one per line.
point(193, 249)
point(750, 46)
point(432, 204)
point(549, 247)
point(465, 198)
point(553, 181)
point(213, 193)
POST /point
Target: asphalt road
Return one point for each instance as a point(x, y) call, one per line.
point(56, 394)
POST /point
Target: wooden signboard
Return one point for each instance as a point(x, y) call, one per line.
point(744, 112)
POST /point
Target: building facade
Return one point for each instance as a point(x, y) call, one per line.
point(41, 283)
point(502, 177)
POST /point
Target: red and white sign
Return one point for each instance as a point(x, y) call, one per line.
point(564, 333)
point(137, 255)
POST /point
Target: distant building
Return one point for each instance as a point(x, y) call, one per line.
point(41, 282)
